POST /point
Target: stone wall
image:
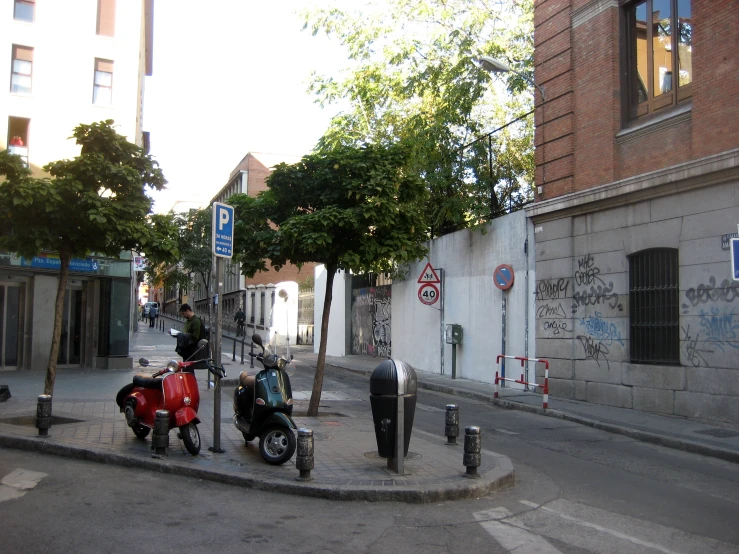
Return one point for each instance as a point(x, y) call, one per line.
point(582, 304)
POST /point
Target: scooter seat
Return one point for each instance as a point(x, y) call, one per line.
point(147, 381)
point(246, 379)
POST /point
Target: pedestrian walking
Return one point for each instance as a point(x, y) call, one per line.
point(240, 319)
point(153, 312)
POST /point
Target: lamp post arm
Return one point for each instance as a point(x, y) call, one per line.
point(525, 78)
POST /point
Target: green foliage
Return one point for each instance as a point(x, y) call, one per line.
point(353, 208)
point(191, 232)
point(413, 78)
point(94, 203)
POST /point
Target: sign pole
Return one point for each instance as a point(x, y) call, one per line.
point(222, 244)
point(502, 365)
point(217, 351)
point(503, 278)
point(441, 316)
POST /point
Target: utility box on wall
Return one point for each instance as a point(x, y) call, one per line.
point(453, 334)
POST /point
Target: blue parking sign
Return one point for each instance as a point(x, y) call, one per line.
point(223, 230)
point(735, 259)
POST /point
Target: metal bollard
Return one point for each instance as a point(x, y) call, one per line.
point(242, 348)
point(304, 458)
point(43, 415)
point(451, 430)
point(233, 357)
point(4, 393)
point(160, 439)
point(472, 448)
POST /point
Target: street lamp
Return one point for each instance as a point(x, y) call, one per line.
point(492, 65)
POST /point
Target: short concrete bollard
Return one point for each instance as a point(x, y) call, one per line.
point(451, 429)
point(304, 458)
point(160, 439)
point(43, 414)
point(472, 449)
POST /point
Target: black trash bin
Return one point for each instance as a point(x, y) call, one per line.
point(391, 381)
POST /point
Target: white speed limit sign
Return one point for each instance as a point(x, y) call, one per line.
point(428, 293)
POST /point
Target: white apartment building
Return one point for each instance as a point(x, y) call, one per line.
point(68, 62)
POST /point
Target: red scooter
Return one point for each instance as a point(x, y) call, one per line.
point(174, 389)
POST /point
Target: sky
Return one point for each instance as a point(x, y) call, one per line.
point(230, 79)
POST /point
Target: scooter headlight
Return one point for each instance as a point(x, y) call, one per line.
point(173, 366)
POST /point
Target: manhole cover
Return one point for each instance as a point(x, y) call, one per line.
point(719, 433)
point(376, 456)
point(30, 420)
point(322, 437)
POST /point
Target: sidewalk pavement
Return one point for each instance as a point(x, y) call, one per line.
point(88, 425)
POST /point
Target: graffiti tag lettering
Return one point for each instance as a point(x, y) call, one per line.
point(602, 330)
point(594, 349)
point(547, 290)
point(693, 353)
point(728, 291)
point(587, 273)
point(556, 326)
point(596, 295)
point(720, 329)
point(551, 310)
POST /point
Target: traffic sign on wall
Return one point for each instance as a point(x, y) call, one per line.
point(503, 276)
point(428, 275)
point(428, 293)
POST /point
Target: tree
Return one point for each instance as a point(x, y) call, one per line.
point(413, 77)
point(94, 203)
point(349, 208)
point(193, 237)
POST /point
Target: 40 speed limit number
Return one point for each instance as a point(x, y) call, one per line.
point(428, 293)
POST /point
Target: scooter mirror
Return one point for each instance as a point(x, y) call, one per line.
point(143, 362)
point(256, 339)
point(202, 343)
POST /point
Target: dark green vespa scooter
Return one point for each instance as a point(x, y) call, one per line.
point(263, 407)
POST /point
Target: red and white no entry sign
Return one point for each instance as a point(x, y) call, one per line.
point(503, 276)
point(428, 293)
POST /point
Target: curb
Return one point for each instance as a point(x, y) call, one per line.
point(491, 481)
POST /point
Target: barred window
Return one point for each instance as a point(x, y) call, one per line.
point(653, 301)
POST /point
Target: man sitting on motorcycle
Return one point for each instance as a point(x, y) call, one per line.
point(192, 330)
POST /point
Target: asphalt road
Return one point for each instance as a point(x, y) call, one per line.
point(578, 490)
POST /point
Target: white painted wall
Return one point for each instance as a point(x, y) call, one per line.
point(337, 331)
point(471, 299)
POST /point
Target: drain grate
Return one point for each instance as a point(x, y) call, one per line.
point(30, 420)
point(720, 433)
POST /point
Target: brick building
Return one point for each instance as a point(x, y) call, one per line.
point(637, 189)
point(257, 295)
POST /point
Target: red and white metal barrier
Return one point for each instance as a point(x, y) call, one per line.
point(544, 388)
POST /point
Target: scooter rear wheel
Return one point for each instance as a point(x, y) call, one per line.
point(191, 437)
point(140, 431)
point(277, 444)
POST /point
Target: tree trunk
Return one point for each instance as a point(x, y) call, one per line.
point(315, 397)
point(57, 332)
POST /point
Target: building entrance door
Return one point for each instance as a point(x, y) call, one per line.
point(11, 300)
point(70, 342)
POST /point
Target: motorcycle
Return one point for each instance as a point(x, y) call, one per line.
point(174, 389)
point(263, 407)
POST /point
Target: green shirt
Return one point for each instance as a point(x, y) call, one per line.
point(192, 326)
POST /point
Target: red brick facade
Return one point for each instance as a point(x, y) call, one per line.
point(578, 63)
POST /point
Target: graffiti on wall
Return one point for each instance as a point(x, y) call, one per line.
point(381, 321)
point(727, 291)
point(695, 350)
point(600, 329)
point(720, 329)
point(598, 293)
point(594, 349)
point(371, 321)
point(549, 294)
point(556, 327)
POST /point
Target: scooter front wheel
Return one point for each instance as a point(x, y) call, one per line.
point(141, 431)
point(191, 437)
point(277, 444)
